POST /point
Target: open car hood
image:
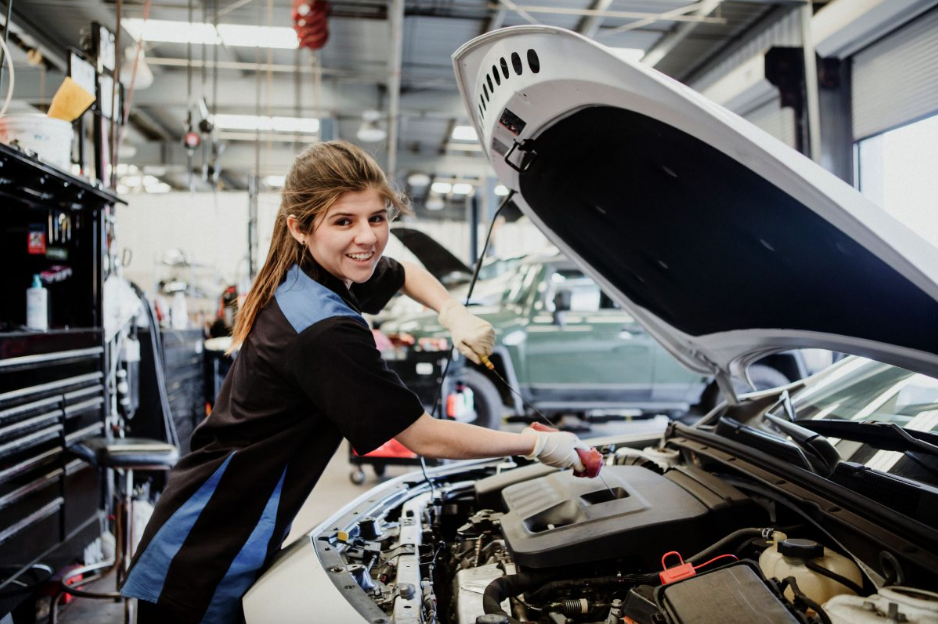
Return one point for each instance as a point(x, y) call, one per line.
point(438, 260)
point(725, 244)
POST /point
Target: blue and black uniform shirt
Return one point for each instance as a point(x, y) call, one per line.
point(308, 375)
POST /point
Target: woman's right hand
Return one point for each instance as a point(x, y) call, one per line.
point(562, 449)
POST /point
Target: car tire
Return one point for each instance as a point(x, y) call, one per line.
point(763, 378)
point(486, 399)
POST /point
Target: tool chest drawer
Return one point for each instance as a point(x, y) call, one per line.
point(49, 400)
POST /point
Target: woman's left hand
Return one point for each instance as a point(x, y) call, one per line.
point(473, 336)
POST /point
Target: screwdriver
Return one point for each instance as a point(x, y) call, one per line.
point(488, 364)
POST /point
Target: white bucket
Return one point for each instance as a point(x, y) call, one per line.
point(48, 137)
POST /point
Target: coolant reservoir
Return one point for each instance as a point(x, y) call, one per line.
point(891, 604)
point(787, 557)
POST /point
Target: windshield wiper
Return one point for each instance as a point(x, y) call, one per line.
point(882, 435)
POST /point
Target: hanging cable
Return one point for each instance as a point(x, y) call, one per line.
point(125, 116)
point(5, 54)
point(9, 61)
point(436, 405)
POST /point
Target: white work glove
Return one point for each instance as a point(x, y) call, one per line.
point(557, 448)
point(471, 335)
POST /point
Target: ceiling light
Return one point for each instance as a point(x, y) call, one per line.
point(258, 36)
point(442, 188)
point(275, 181)
point(267, 124)
point(370, 131)
point(464, 133)
point(501, 190)
point(418, 180)
point(629, 54)
point(434, 202)
point(462, 188)
point(171, 31)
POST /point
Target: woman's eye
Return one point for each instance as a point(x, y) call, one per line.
point(378, 219)
point(343, 222)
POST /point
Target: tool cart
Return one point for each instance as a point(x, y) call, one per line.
point(53, 389)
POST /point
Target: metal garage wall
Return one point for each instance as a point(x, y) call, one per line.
point(777, 121)
point(895, 81)
point(753, 97)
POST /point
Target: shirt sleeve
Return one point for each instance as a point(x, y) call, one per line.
point(336, 364)
point(374, 294)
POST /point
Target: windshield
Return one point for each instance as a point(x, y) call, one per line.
point(867, 391)
point(863, 391)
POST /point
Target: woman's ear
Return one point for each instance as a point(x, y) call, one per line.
point(293, 225)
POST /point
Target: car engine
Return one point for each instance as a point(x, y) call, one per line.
point(670, 540)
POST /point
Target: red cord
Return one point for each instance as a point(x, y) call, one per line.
point(733, 557)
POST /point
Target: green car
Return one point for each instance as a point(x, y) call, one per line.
point(567, 348)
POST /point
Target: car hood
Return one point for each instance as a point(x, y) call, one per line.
point(725, 244)
point(438, 260)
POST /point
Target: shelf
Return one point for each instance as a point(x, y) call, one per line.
point(29, 182)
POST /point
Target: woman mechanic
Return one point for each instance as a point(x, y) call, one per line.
point(307, 374)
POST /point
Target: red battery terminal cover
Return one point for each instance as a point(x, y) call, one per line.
point(684, 570)
point(676, 573)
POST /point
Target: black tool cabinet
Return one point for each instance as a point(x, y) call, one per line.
point(53, 389)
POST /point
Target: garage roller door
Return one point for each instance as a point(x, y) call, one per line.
point(777, 121)
point(895, 81)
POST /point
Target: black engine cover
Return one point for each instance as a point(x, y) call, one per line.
point(561, 520)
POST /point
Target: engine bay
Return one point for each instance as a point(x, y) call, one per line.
point(675, 538)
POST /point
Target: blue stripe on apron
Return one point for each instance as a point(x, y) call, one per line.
point(147, 577)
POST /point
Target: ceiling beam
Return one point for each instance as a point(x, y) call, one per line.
point(590, 24)
point(671, 40)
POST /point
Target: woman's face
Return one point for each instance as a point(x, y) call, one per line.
point(348, 241)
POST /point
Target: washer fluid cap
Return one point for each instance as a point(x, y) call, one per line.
point(800, 549)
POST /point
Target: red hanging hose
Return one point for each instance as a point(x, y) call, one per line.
point(310, 21)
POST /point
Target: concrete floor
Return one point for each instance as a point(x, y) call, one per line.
point(332, 492)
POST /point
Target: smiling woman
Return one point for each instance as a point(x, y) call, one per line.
point(307, 375)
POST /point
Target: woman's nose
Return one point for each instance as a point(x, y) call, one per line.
point(365, 235)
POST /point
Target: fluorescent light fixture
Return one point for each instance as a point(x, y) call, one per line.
point(276, 181)
point(258, 36)
point(418, 180)
point(434, 202)
point(267, 124)
point(171, 31)
point(629, 54)
point(442, 188)
point(501, 190)
point(464, 133)
point(462, 188)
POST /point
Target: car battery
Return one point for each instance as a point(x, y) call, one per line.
point(737, 592)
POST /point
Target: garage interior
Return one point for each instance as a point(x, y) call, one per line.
point(144, 145)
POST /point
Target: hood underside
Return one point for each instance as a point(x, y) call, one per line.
point(725, 244)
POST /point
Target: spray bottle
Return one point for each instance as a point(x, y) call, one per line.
point(37, 306)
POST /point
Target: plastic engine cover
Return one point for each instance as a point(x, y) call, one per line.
point(562, 520)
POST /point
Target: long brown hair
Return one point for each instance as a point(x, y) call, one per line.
point(318, 177)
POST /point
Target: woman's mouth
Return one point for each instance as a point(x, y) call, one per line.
point(361, 257)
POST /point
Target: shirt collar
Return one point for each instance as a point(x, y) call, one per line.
point(315, 272)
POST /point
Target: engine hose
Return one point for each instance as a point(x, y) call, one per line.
point(726, 542)
point(509, 586)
